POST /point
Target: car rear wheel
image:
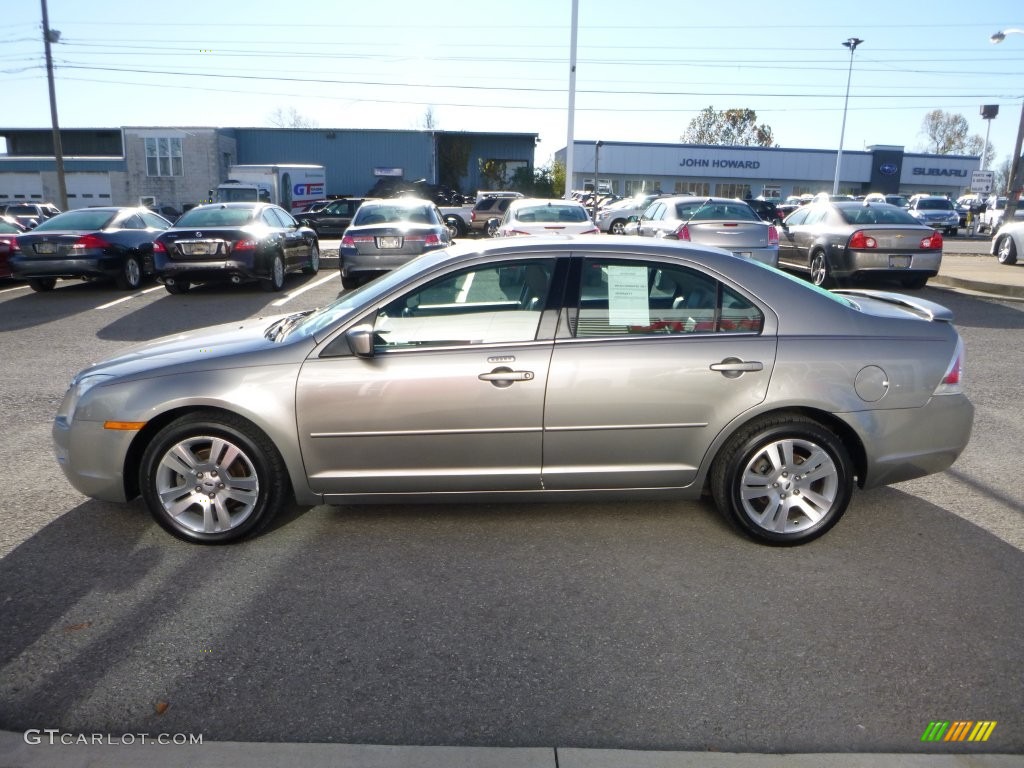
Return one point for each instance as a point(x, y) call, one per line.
point(821, 275)
point(784, 479)
point(42, 284)
point(456, 226)
point(314, 261)
point(213, 478)
point(276, 280)
point(348, 282)
point(177, 286)
point(130, 276)
point(915, 282)
point(492, 227)
point(1006, 250)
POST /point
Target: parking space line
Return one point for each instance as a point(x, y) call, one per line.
point(21, 287)
point(129, 297)
point(298, 292)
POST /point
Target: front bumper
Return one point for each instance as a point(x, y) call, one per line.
point(99, 456)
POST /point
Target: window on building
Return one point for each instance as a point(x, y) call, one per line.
point(698, 188)
point(732, 189)
point(163, 157)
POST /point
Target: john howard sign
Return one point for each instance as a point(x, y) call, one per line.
point(703, 162)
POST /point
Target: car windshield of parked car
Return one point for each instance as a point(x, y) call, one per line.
point(216, 217)
point(935, 204)
point(85, 219)
point(392, 214)
point(22, 210)
point(551, 213)
point(700, 210)
point(8, 228)
point(876, 213)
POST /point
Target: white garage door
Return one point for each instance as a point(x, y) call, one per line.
point(21, 188)
point(85, 189)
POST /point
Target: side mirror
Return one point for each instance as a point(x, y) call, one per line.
point(360, 340)
point(633, 219)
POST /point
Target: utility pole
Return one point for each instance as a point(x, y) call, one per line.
point(52, 36)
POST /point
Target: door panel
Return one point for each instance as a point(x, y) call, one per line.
point(625, 413)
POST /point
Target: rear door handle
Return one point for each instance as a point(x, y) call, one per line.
point(732, 367)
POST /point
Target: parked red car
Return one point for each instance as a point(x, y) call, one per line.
point(8, 229)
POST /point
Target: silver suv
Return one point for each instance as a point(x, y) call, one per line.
point(612, 218)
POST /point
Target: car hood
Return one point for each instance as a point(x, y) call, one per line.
point(229, 345)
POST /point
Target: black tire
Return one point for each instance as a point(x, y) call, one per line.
point(276, 280)
point(618, 227)
point(456, 226)
point(914, 283)
point(130, 276)
point(350, 282)
point(42, 284)
point(178, 286)
point(182, 469)
point(759, 473)
point(821, 273)
point(491, 230)
point(314, 260)
point(1006, 251)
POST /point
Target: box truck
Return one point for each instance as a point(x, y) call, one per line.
point(293, 187)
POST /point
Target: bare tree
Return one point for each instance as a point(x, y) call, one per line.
point(731, 127)
point(946, 134)
point(429, 121)
point(290, 118)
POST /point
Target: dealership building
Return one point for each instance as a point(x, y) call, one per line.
point(177, 166)
point(627, 169)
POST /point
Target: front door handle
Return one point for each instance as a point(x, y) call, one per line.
point(504, 377)
point(733, 367)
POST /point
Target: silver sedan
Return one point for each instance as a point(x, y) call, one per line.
point(718, 221)
point(532, 369)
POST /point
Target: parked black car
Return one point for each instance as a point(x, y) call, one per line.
point(333, 219)
point(766, 210)
point(89, 243)
point(239, 242)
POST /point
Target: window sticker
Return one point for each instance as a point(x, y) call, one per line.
point(627, 295)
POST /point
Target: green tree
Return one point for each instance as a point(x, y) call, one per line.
point(493, 173)
point(731, 127)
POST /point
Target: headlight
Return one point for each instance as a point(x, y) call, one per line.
point(79, 386)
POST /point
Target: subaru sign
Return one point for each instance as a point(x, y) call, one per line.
point(889, 169)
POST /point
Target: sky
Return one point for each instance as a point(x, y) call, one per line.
point(644, 71)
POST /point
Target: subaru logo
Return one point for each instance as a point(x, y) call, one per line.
point(889, 169)
point(199, 234)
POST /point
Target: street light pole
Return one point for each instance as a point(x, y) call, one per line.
point(1012, 190)
point(852, 44)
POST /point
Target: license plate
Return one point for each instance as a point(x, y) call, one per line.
point(198, 249)
point(46, 248)
point(744, 254)
point(389, 242)
point(899, 262)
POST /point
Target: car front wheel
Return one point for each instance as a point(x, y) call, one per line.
point(1006, 250)
point(314, 260)
point(783, 479)
point(212, 478)
point(618, 227)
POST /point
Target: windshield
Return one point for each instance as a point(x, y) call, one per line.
point(84, 219)
point(701, 210)
point(876, 213)
point(216, 217)
point(551, 213)
point(392, 214)
point(935, 204)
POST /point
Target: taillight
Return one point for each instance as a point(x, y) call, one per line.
point(350, 242)
point(244, 245)
point(683, 233)
point(159, 247)
point(90, 242)
point(773, 235)
point(933, 242)
point(860, 241)
point(952, 380)
point(430, 239)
